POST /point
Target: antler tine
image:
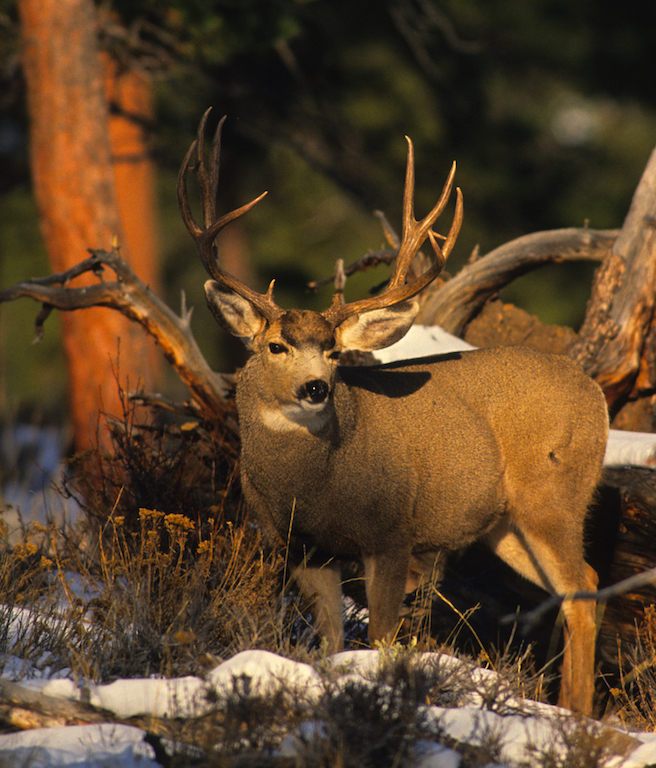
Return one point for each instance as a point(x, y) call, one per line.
point(208, 176)
point(204, 237)
point(413, 237)
point(414, 232)
point(454, 231)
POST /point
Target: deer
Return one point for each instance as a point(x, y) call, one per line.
point(396, 464)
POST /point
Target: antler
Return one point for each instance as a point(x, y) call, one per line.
point(414, 234)
point(413, 237)
point(204, 237)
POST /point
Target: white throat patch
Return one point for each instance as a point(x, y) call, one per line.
point(289, 418)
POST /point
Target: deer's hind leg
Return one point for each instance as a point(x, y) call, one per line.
point(424, 568)
point(553, 559)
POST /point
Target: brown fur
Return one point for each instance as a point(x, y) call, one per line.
point(401, 461)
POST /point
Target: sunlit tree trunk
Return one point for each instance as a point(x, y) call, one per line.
point(129, 97)
point(75, 187)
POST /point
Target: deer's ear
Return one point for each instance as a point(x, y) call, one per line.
point(378, 328)
point(235, 313)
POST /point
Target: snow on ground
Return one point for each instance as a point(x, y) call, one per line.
point(31, 464)
point(422, 341)
point(524, 728)
point(630, 449)
point(106, 745)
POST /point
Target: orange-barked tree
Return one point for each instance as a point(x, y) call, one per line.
point(94, 185)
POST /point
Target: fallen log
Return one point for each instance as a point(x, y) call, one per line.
point(22, 707)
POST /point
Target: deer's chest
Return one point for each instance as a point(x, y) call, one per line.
point(339, 498)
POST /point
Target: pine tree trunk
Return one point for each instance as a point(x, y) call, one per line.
point(129, 97)
point(75, 187)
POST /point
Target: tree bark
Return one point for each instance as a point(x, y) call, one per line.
point(74, 184)
point(129, 97)
point(616, 338)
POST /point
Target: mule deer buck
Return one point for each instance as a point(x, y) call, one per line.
point(394, 464)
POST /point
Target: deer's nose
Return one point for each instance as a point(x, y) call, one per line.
point(316, 391)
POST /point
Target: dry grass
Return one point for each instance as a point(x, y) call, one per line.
point(150, 603)
point(175, 584)
point(632, 700)
point(163, 603)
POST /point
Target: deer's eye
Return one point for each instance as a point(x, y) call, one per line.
point(334, 355)
point(276, 349)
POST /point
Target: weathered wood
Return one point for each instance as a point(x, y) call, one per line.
point(612, 346)
point(633, 534)
point(453, 304)
point(22, 708)
point(134, 299)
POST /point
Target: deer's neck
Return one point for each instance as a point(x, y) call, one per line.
point(291, 472)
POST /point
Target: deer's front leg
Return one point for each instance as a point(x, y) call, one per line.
point(321, 586)
point(385, 579)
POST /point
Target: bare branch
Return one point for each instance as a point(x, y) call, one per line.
point(368, 260)
point(134, 299)
point(453, 304)
point(630, 584)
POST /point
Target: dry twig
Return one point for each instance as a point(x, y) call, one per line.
point(530, 618)
point(134, 299)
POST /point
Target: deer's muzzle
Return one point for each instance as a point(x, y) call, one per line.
point(315, 391)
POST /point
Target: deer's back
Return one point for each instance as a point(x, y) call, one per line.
point(511, 388)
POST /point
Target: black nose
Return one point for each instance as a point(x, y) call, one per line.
point(316, 391)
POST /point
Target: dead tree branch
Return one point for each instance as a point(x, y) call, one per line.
point(366, 261)
point(453, 304)
point(630, 584)
point(614, 345)
point(134, 299)
point(24, 708)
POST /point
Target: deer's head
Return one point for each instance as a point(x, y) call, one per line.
point(297, 351)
